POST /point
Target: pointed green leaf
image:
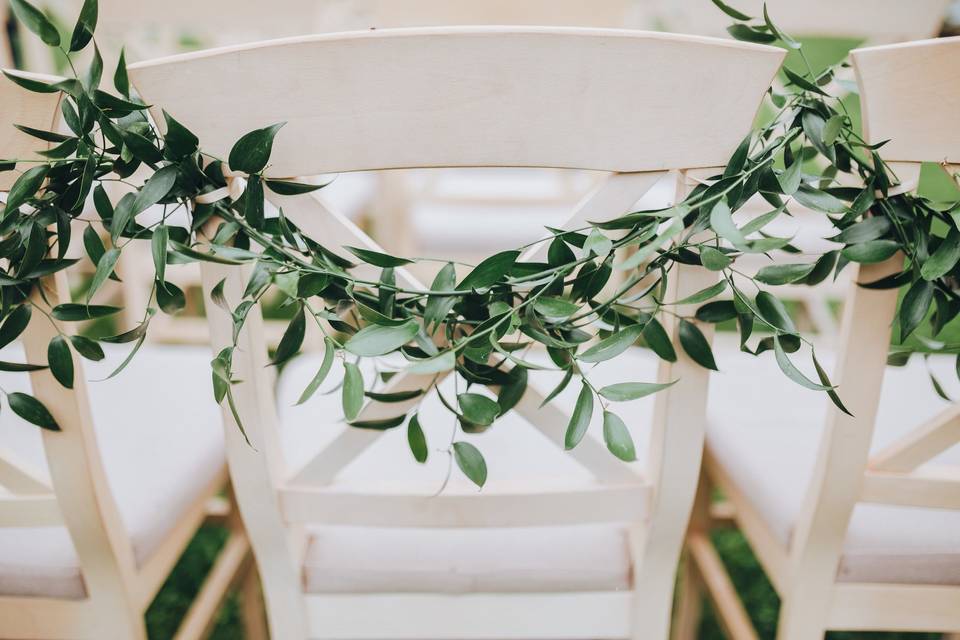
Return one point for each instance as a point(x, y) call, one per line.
point(34, 20)
point(624, 391)
point(488, 272)
point(791, 371)
point(772, 310)
point(617, 437)
point(251, 152)
point(612, 345)
point(695, 344)
point(352, 397)
point(580, 419)
point(61, 361)
point(471, 462)
point(292, 338)
point(416, 439)
point(377, 340)
point(914, 306)
point(478, 409)
point(322, 372)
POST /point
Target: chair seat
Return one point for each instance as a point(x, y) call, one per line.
point(764, 432)
point(519, 458)
point(161, 442)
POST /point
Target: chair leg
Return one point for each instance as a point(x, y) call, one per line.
point(689, 602)
point(800, 618)
point(252, 611)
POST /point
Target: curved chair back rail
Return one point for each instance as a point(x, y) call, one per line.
point(625, 101)
point(634, 103)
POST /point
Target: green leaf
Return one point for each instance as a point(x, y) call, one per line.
point(89, 349)
point(73, 312)
point(352, 391)
point(617, 437)
point(105, 266)
point(32, 410)
point(786, 39)
point(870, 252)
point(612, 345)
point(825, 380)
point(717, 311)
point(730, 11)
point(624, 391)
point(478, 409)
point(713, 259)
point(251, 152)
point(802, 82)
point(722, 222)
point(396, 396)
point(378, 259)
point(439, 306)
point(944, 259)
point(818, 200)
point(597, 243)
point(34, 20)
point(321, 375)
point(158, 247)
point(377, 340)
point(179, 142)
point(658, 340)
point(86, 25)
point(784, 273)
point(555, 309)
point(287, 188)
point(36, 86)
point(512, 391)
point(15, 324)
point(580, 419)
point(445, 361)
point(24, 188)
point(773, 312)
point(292, 338)
point(488, 272)
point(704, 294)
point(790, 179)
point(864, 231)
point(380, 425)
point(567, 377)
point(832, 129)
point(750, 34)
point(61, 361)
point(416, 439)
point(914, 306)
point(791, 371)
point(471, 462)
point(17, 367)
point(120, 80)
point(695, 344)
point(170, 298)
point(253, 202)
point(46, 136)
point(155, 189)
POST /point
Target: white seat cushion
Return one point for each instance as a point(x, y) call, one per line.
point(161, 442)
point(764, 430)
point(351, 559)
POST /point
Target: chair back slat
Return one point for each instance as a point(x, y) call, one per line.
point(911, 97)
point(625, 101)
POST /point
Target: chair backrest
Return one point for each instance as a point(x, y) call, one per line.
point(891, 77)
point(873, 21)
point(618, 101)
point(78, 495)
point(6, 50)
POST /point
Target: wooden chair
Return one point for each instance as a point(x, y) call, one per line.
point(857, 522)
point(347, 554)
point(94, 516)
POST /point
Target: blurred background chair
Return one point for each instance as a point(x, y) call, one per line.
point(557, 545)
point(856, 519)
point(94, 515)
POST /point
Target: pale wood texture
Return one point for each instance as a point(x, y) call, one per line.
point(905, 98)
point(910, 96)
point(876, 21)
point(351, 103)
point(36, 110)
point(464, 97)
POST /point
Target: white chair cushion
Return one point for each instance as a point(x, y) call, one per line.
point(161, 442)
point(351, 559)
point(764, 430)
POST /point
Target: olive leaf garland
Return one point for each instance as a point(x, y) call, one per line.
point(480, 326)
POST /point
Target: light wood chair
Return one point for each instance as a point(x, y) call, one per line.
point(857, 521)
point(94, 516)
point(581, 547)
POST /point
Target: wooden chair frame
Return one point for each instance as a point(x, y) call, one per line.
point(909, 97)
point(118, 591)
point(275, 500)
